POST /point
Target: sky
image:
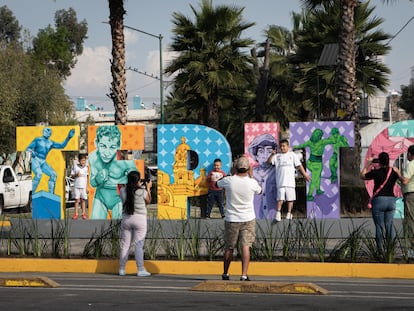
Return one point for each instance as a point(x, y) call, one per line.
point(91, 77)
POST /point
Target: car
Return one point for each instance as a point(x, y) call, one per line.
point(15, 190)
point(69, 190)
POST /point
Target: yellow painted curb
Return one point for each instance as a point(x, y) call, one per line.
point(27, 281)
point(4, 223)
point(260, 287)
point(305, 269)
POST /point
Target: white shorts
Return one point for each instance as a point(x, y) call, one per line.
point(286, 194)
point(80, 193)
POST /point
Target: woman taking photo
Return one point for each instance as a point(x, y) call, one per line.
point(135, 195)
point(383, 199)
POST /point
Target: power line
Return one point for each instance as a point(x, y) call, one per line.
point(402, 28)
point(143, 73)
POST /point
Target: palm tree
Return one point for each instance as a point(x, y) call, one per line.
point(345, 78)
point(318, 81)
point(210, 66)
point(275, 97)
point(118, 89)
point(262, 74)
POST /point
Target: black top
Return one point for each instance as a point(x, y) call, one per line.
point(379, 175)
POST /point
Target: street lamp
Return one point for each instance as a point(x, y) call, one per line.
point(159, 37)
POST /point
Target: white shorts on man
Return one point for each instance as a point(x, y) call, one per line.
point(286, 194)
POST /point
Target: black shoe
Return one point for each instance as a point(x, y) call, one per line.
point(223, 216)
point(225, 277)
point(244, 278)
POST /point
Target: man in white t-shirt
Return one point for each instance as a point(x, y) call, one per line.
point(286, 163)
point(240, 219)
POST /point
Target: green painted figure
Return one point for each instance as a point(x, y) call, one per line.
point(314, 164)
point(339, 141)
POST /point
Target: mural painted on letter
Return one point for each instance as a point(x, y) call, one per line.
point(322, 141)
point(260, 139)
point(45, 145)
point(186, 153)
point(107, 169)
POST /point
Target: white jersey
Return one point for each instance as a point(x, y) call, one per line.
point(240, 192)
point(81, 176)
point(285, 166)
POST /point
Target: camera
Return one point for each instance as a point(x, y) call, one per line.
point(147, 176)
point(375, 160)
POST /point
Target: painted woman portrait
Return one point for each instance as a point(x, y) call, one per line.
point(260, 150)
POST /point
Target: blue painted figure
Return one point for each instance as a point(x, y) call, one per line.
point(106, 172)
point(39, 149)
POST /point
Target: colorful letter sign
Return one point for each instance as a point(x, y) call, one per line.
point(321, 141)
point(45, 144)
point(185, 155)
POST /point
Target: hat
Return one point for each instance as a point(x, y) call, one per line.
point(261, 141)
point(242, 163)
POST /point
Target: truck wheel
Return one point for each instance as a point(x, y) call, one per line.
point(1, 205)
point(28, 207)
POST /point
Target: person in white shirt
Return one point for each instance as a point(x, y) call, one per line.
point(240, 218)
point(286, 162)
point(408, 191)
point(80, 173)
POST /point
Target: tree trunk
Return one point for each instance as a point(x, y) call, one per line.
point(213, 113)
point(118, 87)
point(346, 74)
point(262, 85)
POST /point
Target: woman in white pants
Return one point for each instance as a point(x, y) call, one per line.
point(134, 197)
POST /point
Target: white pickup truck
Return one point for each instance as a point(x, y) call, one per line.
point(15, 190)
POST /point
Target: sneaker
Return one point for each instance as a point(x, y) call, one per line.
point(84, 216)
point(74, 217)
point(244, 278)
point(278, 216)
point(143, 273)
point(121, 271)
point(225, 277)
point(289, 216)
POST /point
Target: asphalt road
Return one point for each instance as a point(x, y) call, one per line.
point(106, 292)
